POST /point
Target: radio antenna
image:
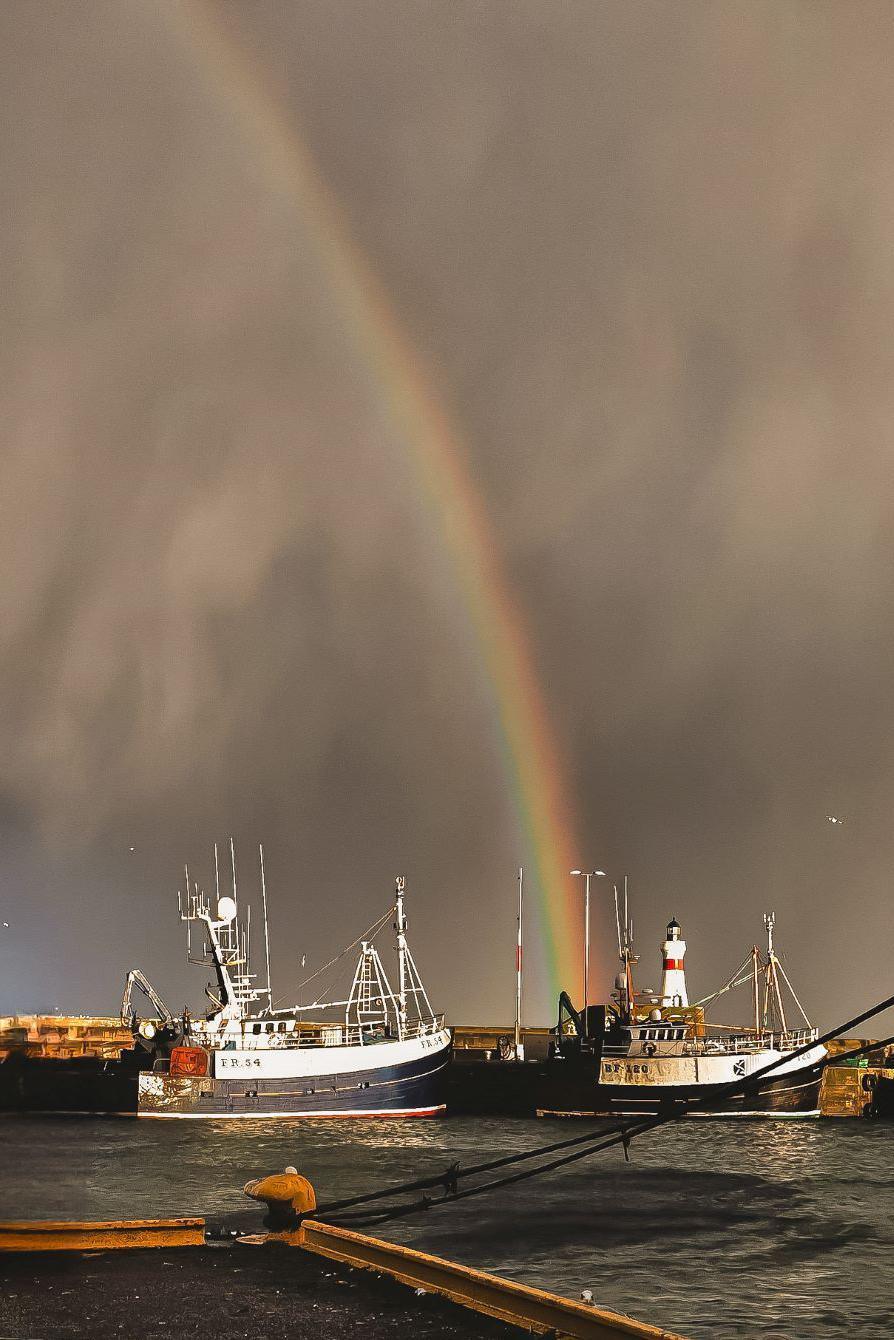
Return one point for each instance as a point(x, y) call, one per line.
point(618, 922)
point(188, 914)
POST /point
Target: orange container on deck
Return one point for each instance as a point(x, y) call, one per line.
point(189, 1062)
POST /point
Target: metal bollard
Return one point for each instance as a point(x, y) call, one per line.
point(288, 1196)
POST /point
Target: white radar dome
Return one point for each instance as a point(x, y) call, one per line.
point(226, 909)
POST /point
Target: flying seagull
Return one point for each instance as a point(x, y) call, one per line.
point(834, 819)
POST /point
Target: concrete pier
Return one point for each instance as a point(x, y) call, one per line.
point(276, 1283)
point(227, 1292)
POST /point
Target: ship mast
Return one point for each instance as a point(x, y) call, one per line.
point(266, 928)
point(409, 981)
point(227, 944)
point(624, 981)
point(774, 1012)
point(755, 987)
point(400, 926)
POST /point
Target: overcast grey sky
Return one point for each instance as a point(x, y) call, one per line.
point(644, 253)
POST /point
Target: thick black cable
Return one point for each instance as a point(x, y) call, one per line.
point(622, 1132)
point(604, 1140)
point(624, 1135)
point(863, 1050)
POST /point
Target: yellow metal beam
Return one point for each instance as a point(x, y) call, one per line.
point(531, 1309)
point(45, 1235)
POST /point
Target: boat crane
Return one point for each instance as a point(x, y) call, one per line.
point(137, 978)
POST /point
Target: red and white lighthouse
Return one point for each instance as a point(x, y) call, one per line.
point(673, 981)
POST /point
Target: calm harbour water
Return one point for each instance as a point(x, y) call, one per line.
point(714, 1229)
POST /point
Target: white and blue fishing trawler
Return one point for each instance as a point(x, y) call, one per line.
point(379, 1052)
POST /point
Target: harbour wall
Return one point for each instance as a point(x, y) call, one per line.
point(847, 1090)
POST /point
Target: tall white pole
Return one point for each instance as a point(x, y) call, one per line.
point(626, 922)
point(587, 875)
point(519, 1050)
point(586, 945)
point(266, 928)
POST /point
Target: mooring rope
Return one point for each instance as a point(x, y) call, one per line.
point(592, 1141)
point(619, 1135)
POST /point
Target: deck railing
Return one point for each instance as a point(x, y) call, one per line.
point(318, 1035)
point(736, 1044)
point(743, 1043)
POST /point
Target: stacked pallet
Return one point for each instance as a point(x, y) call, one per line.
point(63, 1036)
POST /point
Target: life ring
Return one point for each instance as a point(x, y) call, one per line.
point(649, 1049)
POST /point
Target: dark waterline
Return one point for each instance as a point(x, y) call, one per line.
point(715, 1229)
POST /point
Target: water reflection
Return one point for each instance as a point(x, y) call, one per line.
point(758, 1227)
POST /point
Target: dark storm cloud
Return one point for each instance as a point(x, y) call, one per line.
point(644, 252)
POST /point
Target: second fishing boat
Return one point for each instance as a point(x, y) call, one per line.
point(650, 1053)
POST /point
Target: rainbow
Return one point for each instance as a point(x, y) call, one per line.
point(531, 759)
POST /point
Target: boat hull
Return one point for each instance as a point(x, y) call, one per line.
point(405, 1086)
point(793, 1093)
point(408, 1081)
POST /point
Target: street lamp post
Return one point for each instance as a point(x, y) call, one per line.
point(587, 875)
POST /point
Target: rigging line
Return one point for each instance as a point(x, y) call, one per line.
point(794, 995)
point(368, 934)
point(731, 983)
point(857, 1051)
point(862, 1050)
point(624, 1131)
point(730, 986)
point(623, 1136)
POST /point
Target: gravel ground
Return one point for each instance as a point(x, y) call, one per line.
point(227, 1292)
